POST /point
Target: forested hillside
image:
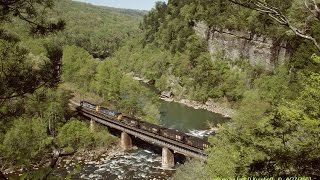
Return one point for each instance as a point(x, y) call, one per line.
point(99, 30)
point(177, 59)
point(276, 129)
point(50, 48)
point(45, 47)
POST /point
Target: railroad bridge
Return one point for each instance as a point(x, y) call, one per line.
point(169, 146)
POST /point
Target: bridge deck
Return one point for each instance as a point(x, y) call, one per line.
point(145, 135)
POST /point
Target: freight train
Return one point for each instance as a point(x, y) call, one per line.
point(155, 129)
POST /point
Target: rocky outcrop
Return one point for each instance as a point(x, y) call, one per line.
point(232, 44)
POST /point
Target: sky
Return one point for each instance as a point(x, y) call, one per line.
point(127, 4)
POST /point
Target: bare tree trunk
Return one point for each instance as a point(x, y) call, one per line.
point(278, 16)
point(2, 177)
point(57, 153)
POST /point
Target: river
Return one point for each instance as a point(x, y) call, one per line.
point(143, 163)
point(187, 119)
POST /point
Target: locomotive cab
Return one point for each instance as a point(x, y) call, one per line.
point(119, 118)
point(205, 145)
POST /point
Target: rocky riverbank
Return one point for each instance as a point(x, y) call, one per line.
point(83, 156)
point(210, 105)
point(87, 156)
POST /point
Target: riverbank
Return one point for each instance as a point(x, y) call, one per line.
point(87, 156)
point(135, 164)
point(81, 157)
point(210, 105)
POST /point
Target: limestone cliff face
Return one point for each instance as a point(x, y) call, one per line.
point(259, 50)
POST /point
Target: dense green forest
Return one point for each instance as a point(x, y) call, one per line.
point(46, 45)
point(276, 129)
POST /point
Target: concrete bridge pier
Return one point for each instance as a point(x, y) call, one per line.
point(125, 142)
point(92, 124)
point(167, 158)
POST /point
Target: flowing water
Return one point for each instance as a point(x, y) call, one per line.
point(189, 120)
point(144, 164)
point(136, 164)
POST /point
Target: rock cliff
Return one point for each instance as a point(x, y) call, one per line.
point(259, 50)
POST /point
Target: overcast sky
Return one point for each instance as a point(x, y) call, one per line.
point(127, 4)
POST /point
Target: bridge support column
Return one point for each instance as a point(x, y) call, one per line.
point(125, 142)
point(92, 124)
point(167, 158)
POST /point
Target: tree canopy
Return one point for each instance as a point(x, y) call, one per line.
point(299, 25)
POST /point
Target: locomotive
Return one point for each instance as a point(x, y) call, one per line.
point(152, 128)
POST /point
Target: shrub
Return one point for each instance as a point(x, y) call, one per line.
point(26, 140)
point(75, 134)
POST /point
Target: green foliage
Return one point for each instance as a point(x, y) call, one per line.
point(190, 171)
point(78, 67)
point(275, 132)
point(98, 30)
point(270, 85)
point(228, 157)
point(51, 105)
point(76, 134)
point(162, 83)
point(34, 13)
point(271, 139)
point(191, 73)
point(151, 113)
point(102, 138)
point(277, 122)
point(32, 107)
point(301, 59)
point(25, 140)
point(107, 81)
point(138, 100)
point(105, 78)
point(231, 153)
point(21, 73)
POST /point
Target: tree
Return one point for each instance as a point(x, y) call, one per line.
point(138, 100)
point(33, 12)
point(75, 134)
point(278, 137)
point(107, 81)
point(19, 76)
point(78, 67)
point(25, 140)
point(311, 14)
point(190, 171)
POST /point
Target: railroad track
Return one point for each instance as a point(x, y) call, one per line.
point(142, 134)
